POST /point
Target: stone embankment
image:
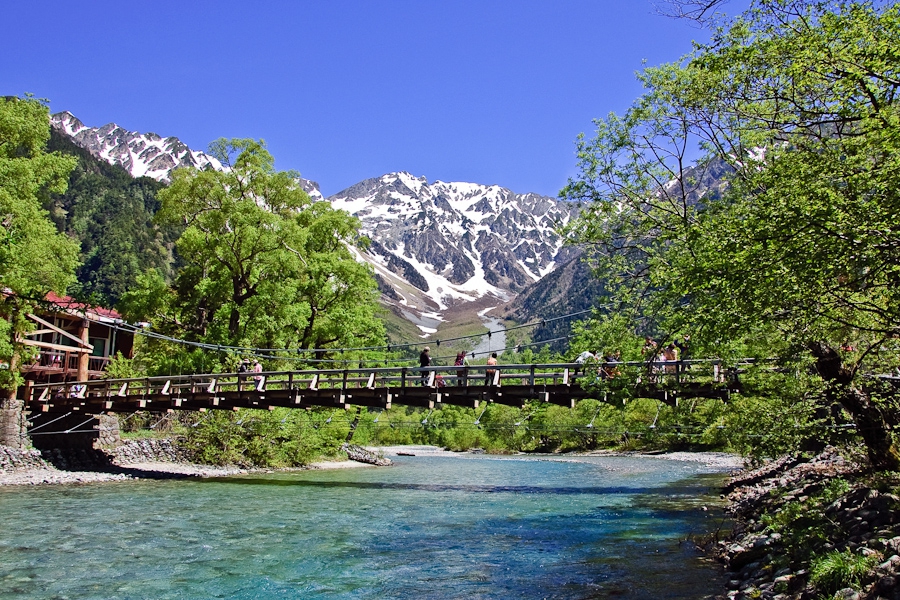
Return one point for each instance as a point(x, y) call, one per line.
point(818, 528)
point(150, 450)
point(135, 459)
point(12, 459)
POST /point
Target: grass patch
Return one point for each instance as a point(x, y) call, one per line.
point(838, 570)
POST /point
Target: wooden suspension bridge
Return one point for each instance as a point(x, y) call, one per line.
point(561, 383)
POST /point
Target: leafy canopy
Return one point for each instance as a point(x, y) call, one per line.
point(794, 105)
point(34, 258)
point(262, 265)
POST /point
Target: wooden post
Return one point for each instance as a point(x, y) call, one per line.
point(84, 358)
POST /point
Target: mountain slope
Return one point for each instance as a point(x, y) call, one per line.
point(441, 244)
point(435, 248)
point(110, 213)
point(570, 289)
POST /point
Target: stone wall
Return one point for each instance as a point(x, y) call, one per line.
point(15, 459)
point(149, 450)
point(12, 424)
point(108, 431)
point(74, 458)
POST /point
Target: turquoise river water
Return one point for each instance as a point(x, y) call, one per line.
point(429, 527)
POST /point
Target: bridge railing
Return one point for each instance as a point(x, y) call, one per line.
point(383, 377)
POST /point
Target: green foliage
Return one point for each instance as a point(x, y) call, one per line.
point(262, 267)
point(783, 236)
point(604, 334)
point(279, 438)
point(528, 356)
point(837, 570)
point(34, 258)
point(120, 367)
point(110, 213)
point(542, 427)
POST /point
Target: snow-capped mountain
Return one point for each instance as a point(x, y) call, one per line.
point(455, 242)
point(434, 246)
point(141, 154)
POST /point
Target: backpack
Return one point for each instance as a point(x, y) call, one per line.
point(459, 361)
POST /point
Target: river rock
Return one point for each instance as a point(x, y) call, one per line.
point(360, 454)
point(863, 520)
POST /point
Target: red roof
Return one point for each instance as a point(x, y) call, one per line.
point(69, 304)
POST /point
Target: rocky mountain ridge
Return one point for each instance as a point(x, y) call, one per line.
point(141, 154)
point(437, 245)
point(434, 246)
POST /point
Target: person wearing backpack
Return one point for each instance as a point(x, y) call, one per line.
point(425, 361)
point(461, 361)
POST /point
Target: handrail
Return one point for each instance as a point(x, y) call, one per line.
point(362, 374)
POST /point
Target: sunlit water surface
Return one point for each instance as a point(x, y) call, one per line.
point(429, 527)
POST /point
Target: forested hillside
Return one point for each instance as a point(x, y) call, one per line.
point(110, 214)
point(569, 289)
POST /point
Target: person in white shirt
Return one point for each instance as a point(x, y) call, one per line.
point(583, 358)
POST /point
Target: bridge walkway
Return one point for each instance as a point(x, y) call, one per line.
point(563, 384)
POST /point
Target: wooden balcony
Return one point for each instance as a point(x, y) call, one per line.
point(63, 365)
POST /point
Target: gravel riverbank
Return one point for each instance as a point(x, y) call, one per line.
point(135, 459)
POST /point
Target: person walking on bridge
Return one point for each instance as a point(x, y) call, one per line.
point(490, 373)
point(461, 361)
point(425, 361)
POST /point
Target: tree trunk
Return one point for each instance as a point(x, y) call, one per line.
point(234, 324)
point(872, 426)
point(870, 420)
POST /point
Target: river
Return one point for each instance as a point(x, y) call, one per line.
point(495, 342)
point(473, 526)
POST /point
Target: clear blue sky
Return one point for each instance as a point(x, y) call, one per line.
point(485, 91)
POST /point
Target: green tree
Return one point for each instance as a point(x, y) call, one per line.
point(34, 258)
point(795, 102)
point(263, 266)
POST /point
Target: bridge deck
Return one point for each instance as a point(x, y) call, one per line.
point(513, 385)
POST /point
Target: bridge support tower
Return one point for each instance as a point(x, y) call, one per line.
point(12, 424)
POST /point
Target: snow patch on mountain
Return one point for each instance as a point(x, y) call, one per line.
point(143, 154)
point(462, 241)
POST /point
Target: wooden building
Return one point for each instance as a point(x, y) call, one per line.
point(75, 341)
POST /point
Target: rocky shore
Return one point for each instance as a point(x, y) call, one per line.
point(823, 527)
point(135, 459)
